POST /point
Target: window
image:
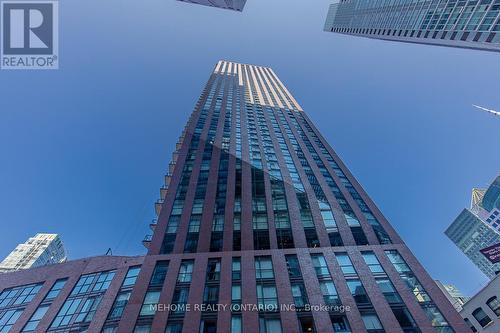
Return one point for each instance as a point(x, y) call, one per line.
point(482, 318)
point(320, 265)
point(8, 319)
point(299, 295)
point(269, 325)
point(180, 298)
point(293, 266)
point(173, 328)
point(236, 269)
point(267, 296)
point(494, 305)
point(264, 268)
point(372, 323)
point(388, 290)
point(345, 264)
point(19, 295)
point(131, 276)
point(211, 295)
point(185, 271)
point(372, 262)
point(208, 326)
point(159, 273)
point(468, 322)
point(404, 318)
point(358, 292)
point(213, 270)
point(103, 281)
point(329, 293)
point(56, 289)
point(236, 326)
point(340, 324)
point(435, 316)
point(149, 304)
point(236, 294)
point(397, 261)
point(119, 305)
point(66, 312)
point(142, 329)
point(88, 309)
point(32, 324)
point(307, 324)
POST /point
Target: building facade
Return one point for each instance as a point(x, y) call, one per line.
point(260, 228)
point(458, 23)
point(482, 311)
point(40, 250)
point(478, 227)
point(237, 5)
point(456, 298)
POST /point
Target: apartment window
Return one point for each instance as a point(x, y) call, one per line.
point(264, 268)
point(149, 304)
point(345, 264)
point(180, 298)
point(8, 319)
point(185, 271)
point(372, 262)
point(293, 266)
point(159, 273)
point(267, 296)
point(211, 295)
point(299, 295)
point(213, 270)
point(131, 277)
point(398, 261)
point(208, 326)
point(173, 328)
point(372, 323)
point(482, 318)
point(19, 295)
point(66, 312)
point(236, 269)
point(404, 319)
point(87, 312)
point(329, 293)
point(388, 290)
point(359, 236)
point(142, 329)
point(358, 292)
point(56, 289)
point(435, 316)
point(103, 281)
point(236, 294)
point(320, 266)
point(472, 327)
point(32, 324)
point(340, 324)
point(236, 326)
point(119, 305)
point(307, 324)
point(494, 304)
point(269, 325)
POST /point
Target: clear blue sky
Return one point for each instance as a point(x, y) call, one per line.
point(84, 149)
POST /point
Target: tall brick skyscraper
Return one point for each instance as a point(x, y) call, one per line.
point(261, 228)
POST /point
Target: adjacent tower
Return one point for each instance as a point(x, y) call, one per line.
point(478, 227)
point(467, 24)
point(40, 250)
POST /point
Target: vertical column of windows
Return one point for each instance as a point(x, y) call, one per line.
point(208, 323)
point(380, 232)
point(324, 206)
point(422, 297)
point(37, 316)
point(267, 297)
point(181, 291)
point(306, 217)
point(237, 185)
point(201, 186)
point(352, 220)
point(330, 295)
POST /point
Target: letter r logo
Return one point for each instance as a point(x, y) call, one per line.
point(27, 28)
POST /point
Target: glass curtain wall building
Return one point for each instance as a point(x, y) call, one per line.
point(459, 23)
point(260, 228)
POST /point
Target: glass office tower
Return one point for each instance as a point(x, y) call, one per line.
point(460, 23)
point(237, 5)
point(260, 228)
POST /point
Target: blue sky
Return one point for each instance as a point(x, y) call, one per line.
point(84, 148)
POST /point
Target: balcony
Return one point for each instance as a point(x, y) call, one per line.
point(163, 192)
point(147, 241)
point(153, 224)
point(158, 206)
